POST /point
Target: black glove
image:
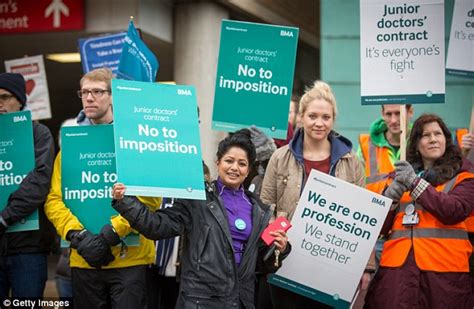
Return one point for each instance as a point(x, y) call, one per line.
point(395, 190)
point(93, 248)
point(110, 236)
point(405, 173)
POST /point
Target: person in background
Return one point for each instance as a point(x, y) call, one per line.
point(298, 123)
point(379, 150)
point(23, 255)
point(104, 274)
point(207, 173)
point(264, 147)
point(222, 244)
point(63, 271)
point(465, 140)
point(294, 109)
point(425, 260)
point(314, 146)
point(162, 280)
point(163, 275)
point(292, 116)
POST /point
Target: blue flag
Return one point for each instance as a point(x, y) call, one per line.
point(137, 61)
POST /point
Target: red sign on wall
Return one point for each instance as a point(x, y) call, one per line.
point(18, 16)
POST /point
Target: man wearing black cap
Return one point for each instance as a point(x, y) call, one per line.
point(12, 93)
point(23, 255)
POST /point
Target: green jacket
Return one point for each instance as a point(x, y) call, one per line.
point(377, 137)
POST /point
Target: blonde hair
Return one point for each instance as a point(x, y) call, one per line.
point(319, 91)
point(99, 75)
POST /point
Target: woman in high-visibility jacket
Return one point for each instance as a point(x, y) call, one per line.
point(425, 261)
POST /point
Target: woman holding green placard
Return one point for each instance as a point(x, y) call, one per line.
point(222, 246)
point(314, 146)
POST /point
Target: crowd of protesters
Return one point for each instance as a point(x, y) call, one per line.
point(211, 249)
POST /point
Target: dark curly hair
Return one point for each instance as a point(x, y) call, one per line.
point(240, 139)
point(445, 167)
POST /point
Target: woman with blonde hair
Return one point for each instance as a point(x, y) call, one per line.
point(314, 146)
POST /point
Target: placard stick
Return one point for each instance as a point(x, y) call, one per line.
point(403, 131)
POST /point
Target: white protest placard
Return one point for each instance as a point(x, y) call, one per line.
point(402, 51)
point(460, 60)
point(32, 69)
point(335, 227)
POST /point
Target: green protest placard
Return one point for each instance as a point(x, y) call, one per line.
point(88, 174)
point(254, 77)
point(157, 139)
point(17, 159)
point(335, 227)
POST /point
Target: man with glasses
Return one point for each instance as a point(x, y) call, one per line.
point(23, 255)
point(104, 274)
point(96, 98)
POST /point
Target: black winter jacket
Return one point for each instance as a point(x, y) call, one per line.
point(209, 276)
point(30, 196)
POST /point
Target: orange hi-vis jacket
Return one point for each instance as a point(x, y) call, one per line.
point(436, 246)
point(459, 134)
point(378, 165)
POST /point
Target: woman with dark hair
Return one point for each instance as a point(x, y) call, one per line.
point(222, 246)
point(425, 261)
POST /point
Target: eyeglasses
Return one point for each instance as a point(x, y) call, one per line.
point(96, 93)
point(5, 97)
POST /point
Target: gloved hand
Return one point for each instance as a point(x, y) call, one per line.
point(405, 173)
point(110, 236)
point(93, 248)
point(395, 190)
point(264, 146)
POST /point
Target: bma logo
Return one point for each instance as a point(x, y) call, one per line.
point(19, 118)
point(184, 92)
point(378, 202)
point(286, 33)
